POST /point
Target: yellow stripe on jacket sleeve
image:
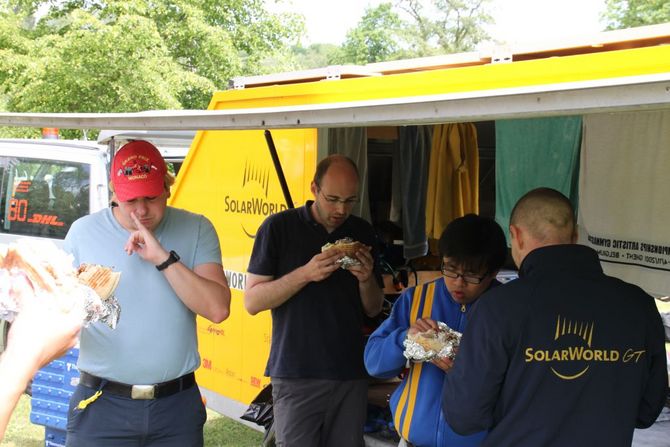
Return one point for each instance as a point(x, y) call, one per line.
point(416, 303)
point(416, 368)
point(401, 407)
point(412, 386)
point(416, 376)
point(428, 306)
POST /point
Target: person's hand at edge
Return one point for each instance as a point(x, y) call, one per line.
point(38, 335)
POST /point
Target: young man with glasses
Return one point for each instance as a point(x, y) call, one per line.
point(473, 249)
point(319, 383)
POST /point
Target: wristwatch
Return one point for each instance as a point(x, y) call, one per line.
point(174, 257)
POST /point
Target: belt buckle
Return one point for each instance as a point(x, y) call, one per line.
point(142, 392)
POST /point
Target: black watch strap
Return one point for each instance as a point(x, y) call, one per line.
point(174, 257)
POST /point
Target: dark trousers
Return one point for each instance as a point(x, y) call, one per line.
point(319, 413)
point(115, 421)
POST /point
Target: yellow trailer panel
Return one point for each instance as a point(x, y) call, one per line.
point(483, 79)
point(237, 188)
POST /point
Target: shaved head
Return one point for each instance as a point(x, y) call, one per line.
point(547, 215)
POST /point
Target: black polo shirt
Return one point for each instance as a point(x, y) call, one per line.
point(317, 333)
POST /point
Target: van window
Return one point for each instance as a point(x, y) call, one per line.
point(42, 197)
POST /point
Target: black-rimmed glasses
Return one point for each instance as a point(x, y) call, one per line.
point(467, 277)
point(335, 200)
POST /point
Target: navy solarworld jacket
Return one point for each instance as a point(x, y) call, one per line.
point(563, 356)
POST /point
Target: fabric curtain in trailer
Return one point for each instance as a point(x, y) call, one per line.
point(453, 176)
point(353, 142)
point(410, 180)
point(532, 153)
point(624, 196)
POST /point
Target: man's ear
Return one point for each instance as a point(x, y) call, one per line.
point(516, 235)
point(314, 188)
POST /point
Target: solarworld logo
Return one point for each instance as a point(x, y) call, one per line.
point(252, 202)
point(573, 353)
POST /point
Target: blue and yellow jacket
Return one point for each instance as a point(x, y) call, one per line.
point(416, 403)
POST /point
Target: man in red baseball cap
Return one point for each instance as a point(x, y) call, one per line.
point(138, 170)
point(170, 264)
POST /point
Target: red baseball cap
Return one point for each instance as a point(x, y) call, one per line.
point(138, 170)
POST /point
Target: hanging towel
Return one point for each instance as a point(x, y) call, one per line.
point(353, 142)
point(453, 176)
point(624, 196)
point(410, 161)
point(531, 153)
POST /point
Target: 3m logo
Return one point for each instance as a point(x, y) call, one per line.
point(255, 382)
point(207, 363)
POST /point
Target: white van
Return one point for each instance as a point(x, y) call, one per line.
point(48, 184)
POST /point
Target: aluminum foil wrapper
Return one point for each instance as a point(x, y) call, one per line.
point(101, 311)
point(347, 261)
point(15, 286)
point(447, 338)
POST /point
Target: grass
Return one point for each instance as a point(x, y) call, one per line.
point(220, 431)
point(20, 432)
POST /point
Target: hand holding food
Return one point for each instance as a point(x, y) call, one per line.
point(440, 342)
point(422, 325)
point(347, 247)
point(39, 273)
point(37, 334)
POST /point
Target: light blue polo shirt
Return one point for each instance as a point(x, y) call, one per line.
point(155, 339)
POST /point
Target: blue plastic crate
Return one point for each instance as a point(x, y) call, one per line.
point(52, 388)
point(54, 438)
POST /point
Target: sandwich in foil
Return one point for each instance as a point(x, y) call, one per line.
point(425, 346)
point(38, 270)
point(347, 247)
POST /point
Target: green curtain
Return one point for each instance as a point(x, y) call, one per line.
point(531, 153)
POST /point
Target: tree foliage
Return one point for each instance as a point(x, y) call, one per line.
point(416, 28)
point(631, 13)
point(131, 55)
point(376, 38)
point(445, 26)
point(317, 55)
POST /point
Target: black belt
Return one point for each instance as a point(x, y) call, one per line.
point(154, 391)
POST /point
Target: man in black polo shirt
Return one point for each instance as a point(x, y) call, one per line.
point(319, 383)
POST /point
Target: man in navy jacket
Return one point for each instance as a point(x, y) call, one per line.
point(565, 355)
